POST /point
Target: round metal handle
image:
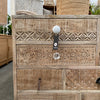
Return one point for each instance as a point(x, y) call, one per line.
point(56, 56)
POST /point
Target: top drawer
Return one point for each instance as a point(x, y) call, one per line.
point(41, 29)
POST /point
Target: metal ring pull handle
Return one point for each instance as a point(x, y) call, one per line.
point(56, 56)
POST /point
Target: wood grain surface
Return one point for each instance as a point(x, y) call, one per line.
point(72, 7)
point(48, 96)
point(70, 55)
point(5, 49)
point(3, 12)
point(28, 79)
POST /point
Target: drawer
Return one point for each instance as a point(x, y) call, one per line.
point(48, 96)
point(41, 29)
point(42, 79)
point(82, 79)
point(58, 79)
point(44, 55)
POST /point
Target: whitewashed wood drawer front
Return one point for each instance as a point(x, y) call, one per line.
point(41, 55)
point(41, 29)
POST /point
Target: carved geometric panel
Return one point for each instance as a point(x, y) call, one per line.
point(42, 79)
point(43, 55)
point(72, 80)
point(81, 79)
point(48, 36)
point(71, 29)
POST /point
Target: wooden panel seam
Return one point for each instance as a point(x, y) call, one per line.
point(98, 44)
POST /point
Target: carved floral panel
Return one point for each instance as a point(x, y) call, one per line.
point(44, 55)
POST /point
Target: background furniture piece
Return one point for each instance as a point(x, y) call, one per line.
point(99, 2)
point(49, 3)
point(5, 49)
point(3, 12)
point(72, 7)
point(49, 7)
point(34, 6)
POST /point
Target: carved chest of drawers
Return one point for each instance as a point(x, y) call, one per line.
point(69, 73)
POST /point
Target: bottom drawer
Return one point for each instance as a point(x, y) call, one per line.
point(48, 96)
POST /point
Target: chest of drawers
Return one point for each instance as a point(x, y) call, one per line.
point(38, 75)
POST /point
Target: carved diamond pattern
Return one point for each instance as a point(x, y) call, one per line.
point(78, 36)
point(48, 36)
